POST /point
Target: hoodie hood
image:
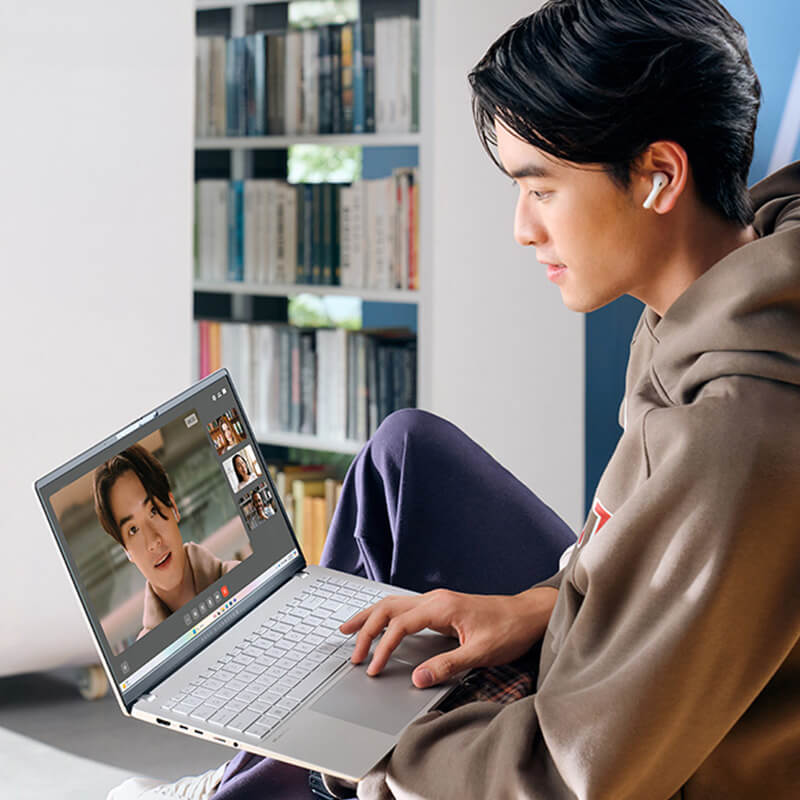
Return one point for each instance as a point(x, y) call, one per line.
point(741, 317)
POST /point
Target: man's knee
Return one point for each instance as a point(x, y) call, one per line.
point(399, 426)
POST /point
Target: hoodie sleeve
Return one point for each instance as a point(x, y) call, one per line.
point(669, 623)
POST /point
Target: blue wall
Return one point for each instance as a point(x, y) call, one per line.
point(773, 33)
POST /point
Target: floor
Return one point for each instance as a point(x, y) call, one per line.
point(50, 709)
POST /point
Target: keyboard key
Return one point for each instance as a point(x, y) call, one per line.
point(203, 712)
point(227, 693)
point(243, 721)
point(317, 677)
point(223, 716)
point(213, 684)
point(258, 730)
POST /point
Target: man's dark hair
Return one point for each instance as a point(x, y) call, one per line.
point(598, 81)
point(145, 466)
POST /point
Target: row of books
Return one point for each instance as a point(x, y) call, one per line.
point(359, 77)
point(310, 496)
point(326, 382)
point(363, 235)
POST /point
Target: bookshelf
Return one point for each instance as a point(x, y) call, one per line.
point(243, 157)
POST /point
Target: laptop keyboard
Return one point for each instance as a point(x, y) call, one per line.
point(265, 677)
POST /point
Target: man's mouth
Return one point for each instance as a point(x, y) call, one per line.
point(164, 560)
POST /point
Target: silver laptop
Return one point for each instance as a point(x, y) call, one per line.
point(204, 613)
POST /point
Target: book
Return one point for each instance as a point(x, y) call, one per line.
point(236, 231)
point(325, 84)
point(368, 60)
point(310, 82)
point(336, 77)
point(236, 86)
point(359, 107)
point(308, 374)
point(346, 80)
point(292, 86)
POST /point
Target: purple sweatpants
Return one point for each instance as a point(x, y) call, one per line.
point(423, 507)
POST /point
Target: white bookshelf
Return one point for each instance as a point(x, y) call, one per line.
point(410, 296)
point(329, 139)
point(305, 442)
point(241, 148)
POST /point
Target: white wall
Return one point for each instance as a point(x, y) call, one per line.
point(95, 260)
point(506, 360)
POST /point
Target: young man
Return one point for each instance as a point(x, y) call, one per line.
point(135, 506)
point(670, 664)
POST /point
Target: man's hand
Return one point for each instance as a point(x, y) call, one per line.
point(491, 629)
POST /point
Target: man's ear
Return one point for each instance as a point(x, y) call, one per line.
point(670, 159)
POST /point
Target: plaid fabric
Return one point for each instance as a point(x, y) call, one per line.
point(496, 684)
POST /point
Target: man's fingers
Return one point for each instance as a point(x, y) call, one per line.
point(413, 621)
point(373, 621)
point(439, 668)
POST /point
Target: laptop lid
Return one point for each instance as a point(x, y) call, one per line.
point(170, 530)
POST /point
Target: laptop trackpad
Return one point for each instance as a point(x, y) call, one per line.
point(387, 702)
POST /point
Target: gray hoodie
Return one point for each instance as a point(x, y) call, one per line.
point(671, 665)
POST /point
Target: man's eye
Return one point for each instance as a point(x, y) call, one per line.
point(133, 530)
point(153, 511)
point(540, 195)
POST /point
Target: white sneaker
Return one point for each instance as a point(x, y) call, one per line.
point(194, 787)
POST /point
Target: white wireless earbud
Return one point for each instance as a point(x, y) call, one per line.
point(660, 180)
point(175, 514)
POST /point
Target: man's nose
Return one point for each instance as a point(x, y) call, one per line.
point(152, 535)
point(528, 229)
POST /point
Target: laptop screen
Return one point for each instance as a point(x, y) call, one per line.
point(167, 527)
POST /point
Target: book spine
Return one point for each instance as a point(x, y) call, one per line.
point(270, 230)
point(384, 390)
point(361, 367)
point(351, 385)
point(326, 271)
point(236, 231)
point(336, 78)
point(292, 82)
point(372, 386)
point(202, 58)
point(310, 84)
point(325, 81)
point(308, 232)
point(290, 221)
point(368, 38)
point(285, 382)
point(345, 221)
point(308, 384)
point(415, 75)
point(231, 95)
point(359, 111)
point(250, 85)
point(280, 275)
point(296, 398)
point(299, 274)
point(336, 193)
point(316, 239)
point(261, 126)
point(346, 69)
point(250, 232)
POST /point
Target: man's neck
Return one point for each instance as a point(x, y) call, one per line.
point(182, 593)
point(705, 242)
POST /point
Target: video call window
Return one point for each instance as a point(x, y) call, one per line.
point(242, 468)
point(258, 506)
point(151, 529)
point(226, 431)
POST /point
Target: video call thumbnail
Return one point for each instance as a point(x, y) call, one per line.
point(242, 468)
point(258, 506)
point(151, 528)
point(226, 431)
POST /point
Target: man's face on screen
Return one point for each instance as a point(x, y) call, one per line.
point(149, 531)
